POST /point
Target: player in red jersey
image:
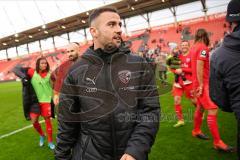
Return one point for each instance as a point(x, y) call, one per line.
point(200, 73)
point(187, 89)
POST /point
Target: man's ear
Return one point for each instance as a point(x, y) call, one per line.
point(93, 32)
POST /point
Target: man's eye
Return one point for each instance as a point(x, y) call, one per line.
point(70, 51)
point(111, 24)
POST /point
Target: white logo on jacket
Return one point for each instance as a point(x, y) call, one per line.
point(91, 89)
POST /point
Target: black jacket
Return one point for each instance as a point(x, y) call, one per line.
point(29, 97)
point(100, 116)
point(225, 74)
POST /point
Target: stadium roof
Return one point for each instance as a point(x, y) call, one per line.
point(126, 8)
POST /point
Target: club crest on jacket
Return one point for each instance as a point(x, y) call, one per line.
point(124, 76)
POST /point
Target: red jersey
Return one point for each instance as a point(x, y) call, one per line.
point(31, 71)
point(60, 74)
point(200, 52)
point(186, 65)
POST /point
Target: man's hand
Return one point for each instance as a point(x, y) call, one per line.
point(56, 99)
point(127, 157)
point(199, 91)
point(25, 81)
point(178, 71)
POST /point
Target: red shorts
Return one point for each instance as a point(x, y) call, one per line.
point(187, 89)
point(45, 109)
point(205, 101)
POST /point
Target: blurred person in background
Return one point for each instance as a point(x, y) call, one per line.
point(60, 73)
point(162, 67)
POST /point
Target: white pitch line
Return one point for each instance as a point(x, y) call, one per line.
point(17, 131)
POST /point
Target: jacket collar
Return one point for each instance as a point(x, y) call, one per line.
point(106, 56)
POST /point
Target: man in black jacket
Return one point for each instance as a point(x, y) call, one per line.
point(225, 68)
point(109, 107)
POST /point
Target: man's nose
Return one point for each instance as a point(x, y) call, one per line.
point(118, 30)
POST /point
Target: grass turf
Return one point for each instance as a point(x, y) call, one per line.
point(171, 143)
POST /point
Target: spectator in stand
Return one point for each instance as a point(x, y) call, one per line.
point(162, 67)
point(158, 49)
point(145, 50)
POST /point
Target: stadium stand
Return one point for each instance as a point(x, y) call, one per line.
point(157, 35)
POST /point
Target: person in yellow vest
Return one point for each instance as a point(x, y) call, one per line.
point(39, 79)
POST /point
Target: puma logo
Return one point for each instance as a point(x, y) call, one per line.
point(91, 80)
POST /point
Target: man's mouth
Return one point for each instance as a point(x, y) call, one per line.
point(118, 38)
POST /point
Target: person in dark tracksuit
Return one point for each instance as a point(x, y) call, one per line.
point(109, 105)
point(225, 68)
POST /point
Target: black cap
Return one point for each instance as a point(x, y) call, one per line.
point(233, 11)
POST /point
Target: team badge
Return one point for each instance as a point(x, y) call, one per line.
point(203, 54)
point(124, 76)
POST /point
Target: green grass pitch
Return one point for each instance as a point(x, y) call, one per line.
point(171, 143)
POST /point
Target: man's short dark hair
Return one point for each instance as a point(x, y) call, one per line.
point(95, 13)
point(75, 43)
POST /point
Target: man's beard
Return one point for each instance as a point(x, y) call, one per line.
point(110, 48)
point(185, 52)
point(73, 58)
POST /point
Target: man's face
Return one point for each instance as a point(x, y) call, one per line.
point(72, 52)
point(185, 47)
point(106, 30)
